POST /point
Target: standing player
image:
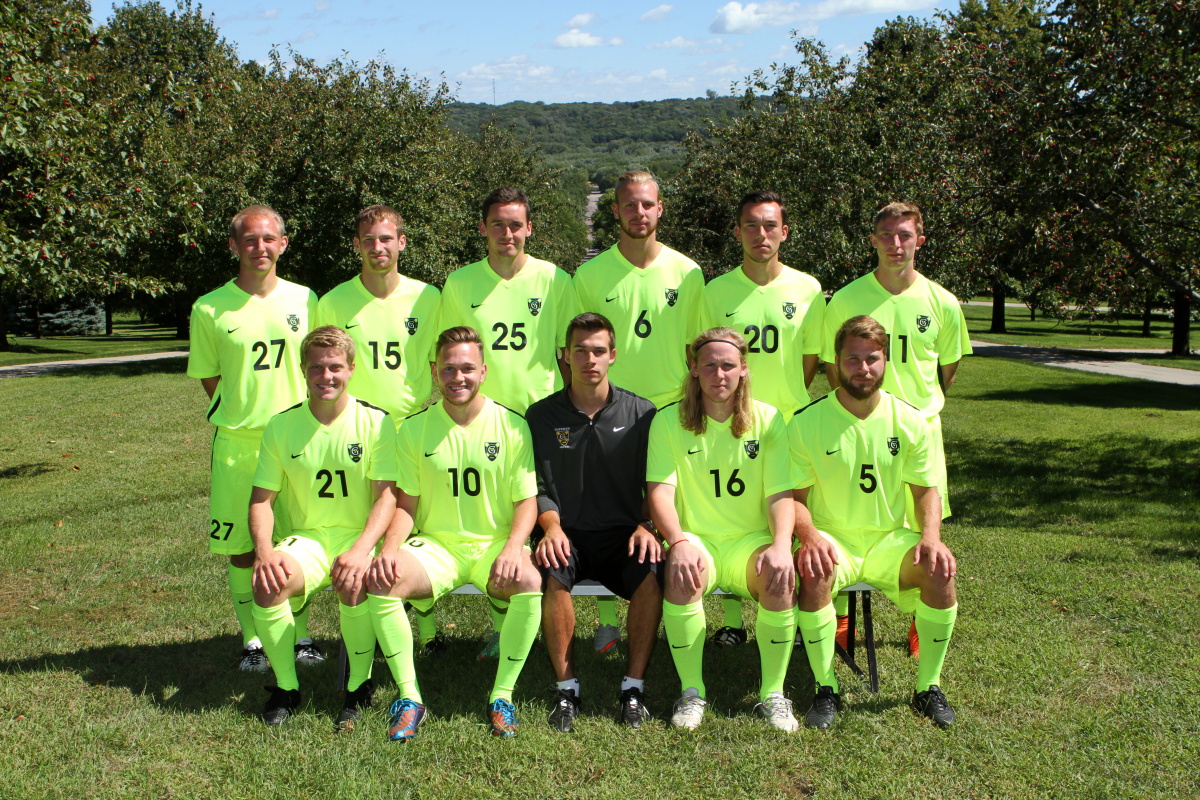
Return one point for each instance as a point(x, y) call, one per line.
point(336, 454)
point(245, 339)
point(926, 329)
point(589, 443)
point(467, 481)
point(519, 303)
point(393, 321)
point(858, 452)
point(781, 312)
point(653, 296)
point(717, 474)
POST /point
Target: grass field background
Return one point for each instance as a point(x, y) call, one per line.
point(130, 337)
point(1073, 669)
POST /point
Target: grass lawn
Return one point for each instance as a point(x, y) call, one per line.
point(129, 338)
point(1073, 669)
point(1122, 334)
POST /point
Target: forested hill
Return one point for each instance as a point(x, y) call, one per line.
point(604, 138)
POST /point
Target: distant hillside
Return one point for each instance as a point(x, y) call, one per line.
point(605, 139)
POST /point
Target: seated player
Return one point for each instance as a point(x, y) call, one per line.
point(466, 479)
point(717, 474)
point(858, 451)
point(336, 457)
point(589, 443)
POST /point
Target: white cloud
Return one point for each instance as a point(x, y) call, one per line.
point(321, 5)
point(580, 20)
point(657, 75)
point(510, 68)
point(657, 14)
point(578, 38)
point(270, 13)
point(735, 17)
point(678, 41)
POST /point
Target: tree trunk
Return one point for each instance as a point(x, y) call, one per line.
point(998, 308)
point(5, 346)
point(37, 318)
point(181, 317)
point(1146, 318)
point(108, 304)
point(1181, 329)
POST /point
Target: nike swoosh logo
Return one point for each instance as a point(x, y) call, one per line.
point(393, 655)
point(361, 652)
point(434, 453)
point(692, 452)
point(355, 325)
point(231, 330)
point(941, 640)
point(783, 641)
point(730, 315)
point(814, 641)
point(476, 305)
point(510, 658)
point(298, 455)
point(678, 646)
point(243, 602)
point(831, 452)
point(610, 299)
point(618, 430)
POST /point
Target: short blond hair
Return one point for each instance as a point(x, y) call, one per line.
point(459, 335)
point(902, 211)
point(634, 176)
point(378, 213)
point(235, 225)
point(331, 337)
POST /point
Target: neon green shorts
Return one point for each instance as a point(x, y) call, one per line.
point(234, 460)
point(937, 455)
point(315, 554)
point(875, 559)
point(726, 560)
point(452, 561)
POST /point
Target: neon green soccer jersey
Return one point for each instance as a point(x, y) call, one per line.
point(523, 322)
point(468, 478)
point(721, 483)
point(253, 344)
point(655, 312)
point(926, 327)
point(393, 339)
point(781, 321)
point(858, 468)
point(327, 469)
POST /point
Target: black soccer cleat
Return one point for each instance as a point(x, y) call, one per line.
point(633, 708)
point(565, 711)
point(280, 705)
point(353, 705)
point(730, 637)
point(824, 708)
point(933, 704)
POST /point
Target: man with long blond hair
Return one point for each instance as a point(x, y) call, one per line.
point(717, 480)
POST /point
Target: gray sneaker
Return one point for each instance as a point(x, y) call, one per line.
point(688, 710)
point(777, 711)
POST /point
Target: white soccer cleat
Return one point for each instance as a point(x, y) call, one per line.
point(777, 711)
point(688, 711)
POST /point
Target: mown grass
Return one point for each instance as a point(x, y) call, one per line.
point(1121, 333)
point(1073, 667)
point(130, 337)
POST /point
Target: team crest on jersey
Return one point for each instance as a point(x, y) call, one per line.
point(410, 325)
point(751, 448)
point(355, 451)
point(564, 437)
point(294, 322)
point(894, 444)
point(922, 323)
point(535, 305)
point(789, 310)
point(491, 450)
point(672, 296)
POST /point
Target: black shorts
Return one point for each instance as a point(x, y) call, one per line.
point(602, 557)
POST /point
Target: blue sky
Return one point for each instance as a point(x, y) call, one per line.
point(556, 51)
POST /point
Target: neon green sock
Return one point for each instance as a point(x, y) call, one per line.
point(359, 635)
point(819, 628)
point(301, 617)
point(521, 625)
point(277, 630)
point(426, 624)
point(774, 631)
point(685, 634)
point(242, 591)
point(732, 606)
point(499, 612)
point(395, 637)
point(606, 607)
point(841, 604)
point(934, 628)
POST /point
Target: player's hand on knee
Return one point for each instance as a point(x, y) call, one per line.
point(816, 559)
point(938, 559)
point(506, 569)
point(271, 573)
point(775, 567)
point(686, 566)
point(383, 572)
point(554, 549)
point(645, 545)
point(349, 572)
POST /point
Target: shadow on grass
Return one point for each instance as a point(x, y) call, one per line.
point(25, 470)
point(133, 369)
point(1109, 394)
point(1130, 486)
